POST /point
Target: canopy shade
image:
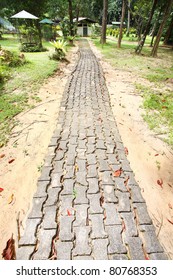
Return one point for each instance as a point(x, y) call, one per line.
point(24, 14)
point(46, 20)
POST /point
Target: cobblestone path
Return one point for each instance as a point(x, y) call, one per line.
point(88, 204)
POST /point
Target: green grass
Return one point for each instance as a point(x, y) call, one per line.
point(23, 82)
point(158, 107)
point(10, 106)
point(157, 97)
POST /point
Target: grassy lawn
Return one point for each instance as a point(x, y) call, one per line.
point(157, 95)
point(23, 81)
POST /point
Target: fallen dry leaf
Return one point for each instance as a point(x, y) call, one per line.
point(68, 212)
point(126, 151)
point(156, 155)
point(1, 190)
point(2, 155)
point(11, 198)
point(9, 251)
point(160, 183)
point(117, 173)
point(170, 185)
point(11, 160)
point(170, 221)
point(170, 206)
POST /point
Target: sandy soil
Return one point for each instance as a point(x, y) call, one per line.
point(149, 157)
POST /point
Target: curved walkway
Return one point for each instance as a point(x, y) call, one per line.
point(88, 204)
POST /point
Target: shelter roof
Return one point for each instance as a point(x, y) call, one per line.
point(24, 14)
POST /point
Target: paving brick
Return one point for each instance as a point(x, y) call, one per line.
point(49, 217)
point(53, 196)
point(64, 250)
point(93, 185)
point(112, 159)
point(67, 187)
point(81, 178)
point(142, 214)
point(91, 159)
point(106, 178)
point(24, 252)
point(109, 193)
point(130, 225)
point(111, 214)
point(48, 161)
point(66, 233)
point(45, 238)
point(100, 145)
point(81, 195)
point(124, 202)
point(94, 200)
point(151, 243)
point(56, 179)
point(69, 172)
point(158, 256)
point(136, 195)
point(125, 165)
point(100, 249)
point(118, 257)
point(41, 189)
point(70, 159)
point(88, 258)
point(45, 173)
point(29, 237)
point(58, 166)
point(115, 244)
point(103, 165)
point(90, 148)
point(66, 204)
point(81, 165)
point(120, 186)
point(37, 207)
point(135, 248)
point(82, 246)
point(81, 215)
point(53, 141)
point(92, 171)
point(97, 224)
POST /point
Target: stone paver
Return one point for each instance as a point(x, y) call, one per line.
point(81, 210)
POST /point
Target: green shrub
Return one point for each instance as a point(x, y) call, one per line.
point(31, 47)
point(11, 59)
point(60, 49)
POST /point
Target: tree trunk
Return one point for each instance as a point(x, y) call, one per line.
point(104, 22)
point(128, 19)
point(159, 34)
point(77, 14)
point(168, 32)
point(121, 25)
point(70, 12)
point(147, 29)
point(39, 33)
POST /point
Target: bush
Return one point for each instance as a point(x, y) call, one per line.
point(3, 73)
point(60, 50)
point(31, 47)
point(11, 59)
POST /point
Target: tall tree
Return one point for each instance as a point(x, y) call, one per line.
point(169, 32)
point(147, 28)
point(104, 22)
point(159, 34)
point(122, 22)
point(70, 12)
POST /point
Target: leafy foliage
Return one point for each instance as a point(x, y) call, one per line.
point(60, 49)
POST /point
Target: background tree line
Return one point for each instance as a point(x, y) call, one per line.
point(154, 17)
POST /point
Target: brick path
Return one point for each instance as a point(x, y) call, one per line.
point(81, 210)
